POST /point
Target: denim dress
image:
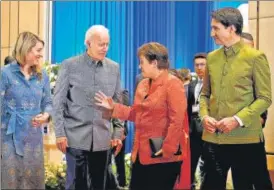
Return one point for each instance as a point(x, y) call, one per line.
point(22, 160)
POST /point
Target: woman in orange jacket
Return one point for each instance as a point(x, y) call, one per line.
point(159, 113)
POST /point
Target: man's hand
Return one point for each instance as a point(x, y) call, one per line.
point(227, 124)
point(62, 144)
point(209, 123)
point(117, 143)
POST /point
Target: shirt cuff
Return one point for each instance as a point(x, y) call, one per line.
point(203, 118)
point(239, 121)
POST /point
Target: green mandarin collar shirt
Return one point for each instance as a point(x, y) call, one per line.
point(237, 83)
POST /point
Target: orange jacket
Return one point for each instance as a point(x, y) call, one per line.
point(159, 110)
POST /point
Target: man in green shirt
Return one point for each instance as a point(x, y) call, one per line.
point(236, 90)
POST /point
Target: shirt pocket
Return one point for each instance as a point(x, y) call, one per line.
point(109, 88)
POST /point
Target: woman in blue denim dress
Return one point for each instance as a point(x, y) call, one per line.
point(25, 105)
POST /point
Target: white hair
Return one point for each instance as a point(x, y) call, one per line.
point(95, 29)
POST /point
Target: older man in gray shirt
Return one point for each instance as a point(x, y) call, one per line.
point(81, 131)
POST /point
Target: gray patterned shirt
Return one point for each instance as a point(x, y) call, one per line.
point(75, 114)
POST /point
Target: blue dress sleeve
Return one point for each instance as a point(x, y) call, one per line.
point(3, 88)
point(46, 104)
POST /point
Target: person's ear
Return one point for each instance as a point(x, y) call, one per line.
point(88, 43)
point(233, 28)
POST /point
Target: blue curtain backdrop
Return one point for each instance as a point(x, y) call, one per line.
point(183, 27)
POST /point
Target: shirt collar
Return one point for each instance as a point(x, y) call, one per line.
point(15, 67)
point(91, 62)
point(234, 49)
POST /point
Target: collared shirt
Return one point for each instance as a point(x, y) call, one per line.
point(197, 91)
point(21, 100)
point(75, 113)
point(97, 63)
point(236, 83)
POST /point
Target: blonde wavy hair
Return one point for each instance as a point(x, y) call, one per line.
point(24, 43)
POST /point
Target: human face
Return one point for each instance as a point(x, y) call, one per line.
point(98, 46)
point(34, 56)
point(200, 65)
point(222, 35)
point(146, 67)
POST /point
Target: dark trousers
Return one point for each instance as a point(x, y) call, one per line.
point(264, 181)
point(85, 169)
point(154, 176)
point(196, 145)
point(111, 181)
point(241, 158)
point(120, 165)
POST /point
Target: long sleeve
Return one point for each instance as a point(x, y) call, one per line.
point(3, 87)
point(177, 106)
point(118, 93)
point(262, 85)
point(118, 131)
point(46, 103)
point(117, 123)
point(124, 112)
point(59, 100)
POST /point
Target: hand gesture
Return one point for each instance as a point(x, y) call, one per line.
point(103, 101)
